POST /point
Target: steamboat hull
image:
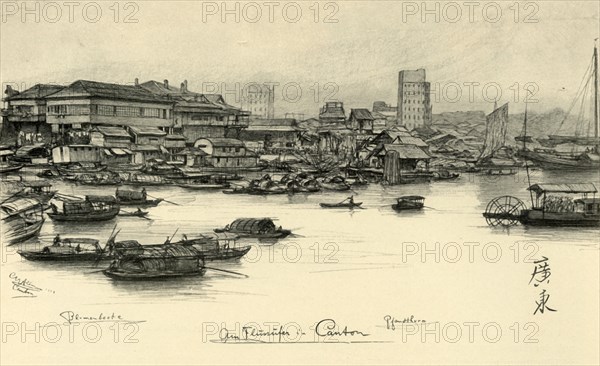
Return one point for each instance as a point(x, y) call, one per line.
point(562, 219)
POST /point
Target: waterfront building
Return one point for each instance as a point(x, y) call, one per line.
point(83, 105)
point(226, 153)
point(109, 136)
point(24, 114)
point(414, 106)
point(268, 134)
point(197, 115)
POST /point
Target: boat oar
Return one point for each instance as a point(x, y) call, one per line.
point(226, 271)
point(167, 201)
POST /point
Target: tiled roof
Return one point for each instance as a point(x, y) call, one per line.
point(37, 91)
point(361, 113)
point(147, 131)
point(113, 131)
point(406, 151)
point(86, 88)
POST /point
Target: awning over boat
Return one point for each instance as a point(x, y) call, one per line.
point(120, 152)
point(411, 198)
point(6, 152)
point(21, 205)
point(169, 251)
point(108, 199)
point(563, 188)
point(252, 225)
point(31, 150)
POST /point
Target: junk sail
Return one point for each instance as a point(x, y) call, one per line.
point(495, 131)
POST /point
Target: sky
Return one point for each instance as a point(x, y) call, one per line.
point(311, 51)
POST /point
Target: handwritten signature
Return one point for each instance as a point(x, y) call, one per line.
point(391, 322)
point(24, 286)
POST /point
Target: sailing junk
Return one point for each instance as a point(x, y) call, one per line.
point(495, 153)
point(588, 159)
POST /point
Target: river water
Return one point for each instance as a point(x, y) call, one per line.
point(443, 264)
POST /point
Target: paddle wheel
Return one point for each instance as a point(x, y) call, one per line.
point(504, 211)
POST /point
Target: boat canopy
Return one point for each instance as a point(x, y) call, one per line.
point(131, 195)
point(169, 251)
point(411, 198)
point(107, 199)
point(563, 188)
point(21, 205)
point(252, 225)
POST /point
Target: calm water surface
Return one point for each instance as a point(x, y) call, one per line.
point(356, 266)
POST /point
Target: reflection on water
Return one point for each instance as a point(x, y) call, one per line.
point(326, 242)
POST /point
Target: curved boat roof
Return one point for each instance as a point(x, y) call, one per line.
point(250, 224)
point(412, 198)
point(20, 205)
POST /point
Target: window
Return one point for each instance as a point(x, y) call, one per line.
point(57, 109)
point(106, 110)
point(237, 149)
point(127, 111)
point(78, 109)
point(150, 112)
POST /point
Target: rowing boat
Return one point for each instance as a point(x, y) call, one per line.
point(349, 205)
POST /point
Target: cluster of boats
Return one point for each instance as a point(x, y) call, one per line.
point(296, 183)
point(130, 260)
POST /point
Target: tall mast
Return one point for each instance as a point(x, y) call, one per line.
point(596, 95)
point(525, 125)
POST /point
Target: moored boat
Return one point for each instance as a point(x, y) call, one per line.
point(127, 197)
point(155, 262)
point(6, 166)
point(22, 218)
point(216, 246)
point(90, 209)
point(409, 203)
point(259, 228)
point(67, 250)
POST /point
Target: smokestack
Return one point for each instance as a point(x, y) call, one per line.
point(185, 85)
point(137, 81)
point(182, 87)
point(166, 83)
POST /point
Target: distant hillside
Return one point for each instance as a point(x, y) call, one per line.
point(472, 123)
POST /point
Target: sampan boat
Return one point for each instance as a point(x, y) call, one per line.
point(154, 262)
point(341, 205)
point(67, 250)
point(409, 203)
point(92, 208)
point(258, 228)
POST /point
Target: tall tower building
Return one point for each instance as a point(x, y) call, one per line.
point(414, 106)
point(259, 99)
